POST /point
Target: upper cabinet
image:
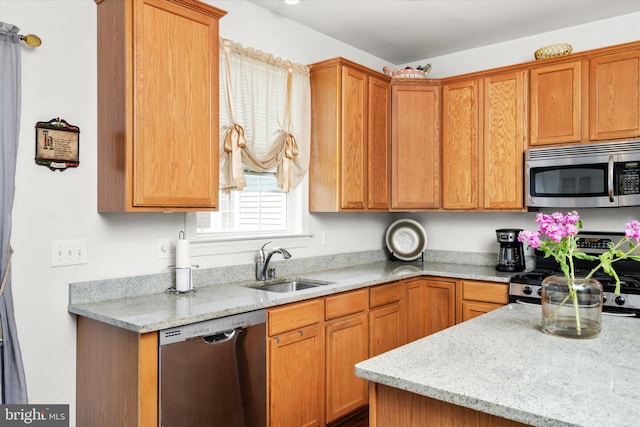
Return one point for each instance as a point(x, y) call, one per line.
point(415, 145)
point(349, 163)
point(558, 98)
point(483, 141)
point(614, 84)
point(157, 105)
point(595, 97)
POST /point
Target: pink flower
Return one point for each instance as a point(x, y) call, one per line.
point(531, 238)
point(632, 230)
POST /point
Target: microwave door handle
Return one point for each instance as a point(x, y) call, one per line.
point(610, 178)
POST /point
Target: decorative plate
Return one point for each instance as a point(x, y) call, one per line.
point(406, 239)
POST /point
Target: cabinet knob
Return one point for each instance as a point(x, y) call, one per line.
point(301, 333)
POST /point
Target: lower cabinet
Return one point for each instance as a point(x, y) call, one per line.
point(431, 306)
point(386, 318)
point(295, 365)
point(295, 378)
point(347, 343)
point(476, 298)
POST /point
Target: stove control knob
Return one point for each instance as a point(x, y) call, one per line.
point(539, 292)
point(527, 290)
point(620, 300)
point(604, 298)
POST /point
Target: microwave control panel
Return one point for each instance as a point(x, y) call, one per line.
point(628, 178)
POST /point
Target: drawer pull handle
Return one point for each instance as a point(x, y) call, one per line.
point(301, 333)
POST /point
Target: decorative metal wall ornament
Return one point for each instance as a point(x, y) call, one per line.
point(57, 144)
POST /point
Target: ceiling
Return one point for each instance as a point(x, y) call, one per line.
point(402, 31)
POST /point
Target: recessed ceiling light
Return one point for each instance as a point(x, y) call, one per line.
point(292, 2)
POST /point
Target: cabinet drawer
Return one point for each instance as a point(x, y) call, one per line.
point(486, 292)
point(294, 316)
point(385, 294)
point(344, 304)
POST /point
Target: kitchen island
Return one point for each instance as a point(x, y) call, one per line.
point(501, 369)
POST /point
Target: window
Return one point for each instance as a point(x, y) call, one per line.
point(261, 208)
point(264, 117)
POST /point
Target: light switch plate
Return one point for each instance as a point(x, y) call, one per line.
point(68, 252)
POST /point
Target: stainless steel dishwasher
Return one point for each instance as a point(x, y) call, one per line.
point(213, 373)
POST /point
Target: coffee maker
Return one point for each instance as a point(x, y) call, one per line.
point(511, 254)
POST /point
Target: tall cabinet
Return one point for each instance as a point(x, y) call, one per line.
point(157, 105)
point(483, 141)
point(415, 145)
point(349, 162)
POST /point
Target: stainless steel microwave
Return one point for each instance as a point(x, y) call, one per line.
point(583, 176)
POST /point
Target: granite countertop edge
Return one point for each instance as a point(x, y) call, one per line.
point(501, 363)
point(154, 312)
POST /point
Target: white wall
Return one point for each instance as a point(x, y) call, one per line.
point(59, 80)
point(597, 34)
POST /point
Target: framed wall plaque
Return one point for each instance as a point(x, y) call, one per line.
point(57, 144)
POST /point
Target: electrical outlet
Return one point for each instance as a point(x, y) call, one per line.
point(324, 237)
point(166, 248)
point(68, 252)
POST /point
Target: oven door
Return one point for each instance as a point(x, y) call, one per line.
point(570, 182)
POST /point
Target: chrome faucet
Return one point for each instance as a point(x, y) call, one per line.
point(262, 261)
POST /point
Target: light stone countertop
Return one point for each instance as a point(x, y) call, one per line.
point(157, 311)
point(502, 363)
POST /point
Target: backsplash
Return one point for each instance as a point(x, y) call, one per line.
point(126, 287)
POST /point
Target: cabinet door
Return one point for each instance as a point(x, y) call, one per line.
point(175, 93)
point(430, 307)
point(296, 380)
point(440, 305)
point(504, 141)
point(460, 145)
point(415, 139)
point(416, 310)
point(615, 96)
point(378, 144)
point(353, 151)
point(386, 329)
point(346, 345)
point(557, 103)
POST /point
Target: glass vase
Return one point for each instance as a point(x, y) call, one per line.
point(573, 316)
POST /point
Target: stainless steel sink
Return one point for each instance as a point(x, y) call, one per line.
point(291, 286)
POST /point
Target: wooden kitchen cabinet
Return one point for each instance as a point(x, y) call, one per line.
point(559, 96)
point(347, 342)
point(461, 144)
point(593, 98)
point(116, 376)
point(504, 141)
point(614, 85)
point(415, 145)
point(157, 105)
point(349, 163)
point(387, 328)
point(484, 138)
point(430, 305)
point(295, 365)
point(474, 298)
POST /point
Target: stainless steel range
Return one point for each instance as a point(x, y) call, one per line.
point(526, 287)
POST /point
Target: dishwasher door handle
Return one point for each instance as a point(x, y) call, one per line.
point(222, 337)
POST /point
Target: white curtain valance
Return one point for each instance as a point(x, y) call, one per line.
point(267, 124)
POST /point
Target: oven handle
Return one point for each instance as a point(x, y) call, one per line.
point(519, 301)
point(610, 178)
point(609, 313)
point(604, 313)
